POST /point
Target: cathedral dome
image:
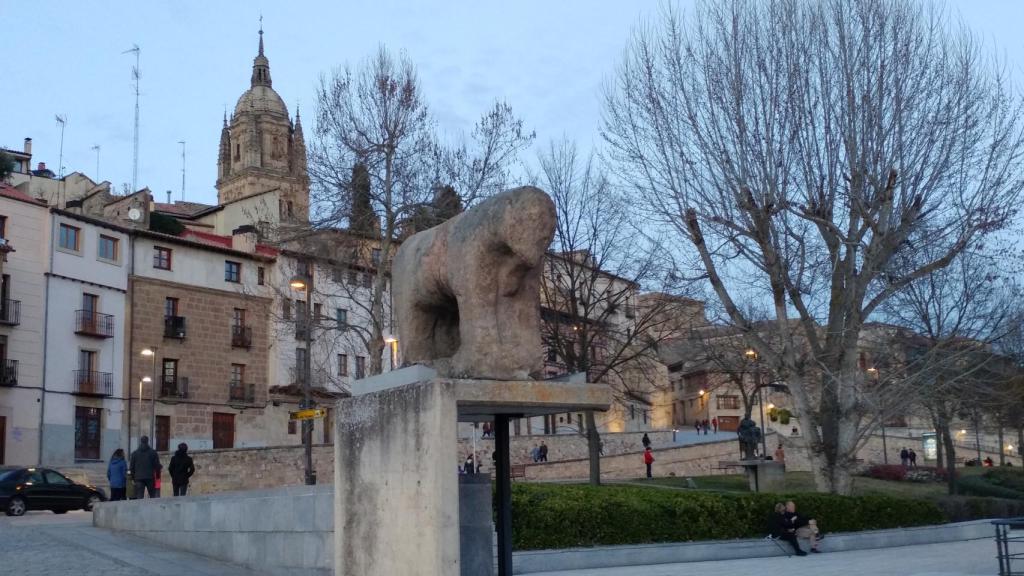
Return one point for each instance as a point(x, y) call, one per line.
point(262, 99)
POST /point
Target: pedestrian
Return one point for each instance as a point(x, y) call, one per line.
point(535, 453)
point(696, 426)
point(778, 528)
point(648, 460)
point(117, 469)
point(780, 455)
point(467, 466)
point(600, 448)
point(181, 469)
point(706, 426)
point(646, 441)
point(913, 458)
point(543, 452)
point(803, 528)
point(714, 424)
point(904, 457)
point(487, 430)
point(144, 467)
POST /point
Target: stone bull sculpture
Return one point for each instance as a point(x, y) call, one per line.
point(467, 292)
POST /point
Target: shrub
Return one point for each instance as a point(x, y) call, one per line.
point(893, 472)
point(963, 508)
point(1011, 478)
point(565, 516)
point(983, 486)
point(899, 473)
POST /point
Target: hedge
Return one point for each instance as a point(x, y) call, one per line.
point(963, 508)
point(566, 516)
point(984, 486)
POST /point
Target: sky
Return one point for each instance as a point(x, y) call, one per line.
point(548, 59)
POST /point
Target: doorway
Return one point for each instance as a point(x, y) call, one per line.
point(3, 438)
point(223, 430)
point(87, 433)
point(163, 433)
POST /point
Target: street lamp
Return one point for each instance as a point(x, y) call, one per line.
point(751, 356)
point(392, 343)
point(303, 283)
point(151, 352)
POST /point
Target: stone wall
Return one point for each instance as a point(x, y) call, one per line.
point(563, 446)
point(256, 468)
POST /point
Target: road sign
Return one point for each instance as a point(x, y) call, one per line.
point(310, 414)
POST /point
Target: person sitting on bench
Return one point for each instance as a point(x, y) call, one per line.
point(802, 527)
point(778, 529)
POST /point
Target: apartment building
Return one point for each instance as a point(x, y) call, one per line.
point(23, 256)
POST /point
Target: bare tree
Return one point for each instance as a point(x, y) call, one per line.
point(594, 319)
point(808, 152)
point(376, 149)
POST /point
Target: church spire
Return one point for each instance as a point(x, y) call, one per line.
point(260, 64)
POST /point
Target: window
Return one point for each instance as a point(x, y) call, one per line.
point(552, 355)
point(108, 248)
point(353, 277)
point(367, 280)
point(337, 274)
point(318, 311)
point(341, 315)
point(375, 256)
point(260, 275)
point(232, 271)
point(170, 371)
point(237, 374)
point(70, 237)
point(360, 367)
point(342, 364)
point(238, 317)
point(286, 309)
point(300, 364)
point(291, 212)
point(292, 428)
point(729, 402)
point(3, 226)
point(170, 307)
point(161, 258)
point(90, 303)
point(56, 478)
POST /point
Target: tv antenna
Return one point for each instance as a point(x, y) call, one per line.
point(96, 148)
point(62, 120)
point(182, 142)
point(136, 76)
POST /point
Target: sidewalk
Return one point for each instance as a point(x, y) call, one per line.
point(971, 558)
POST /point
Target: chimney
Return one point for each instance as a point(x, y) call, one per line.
point(244, 239)
point(42, 166)
point(28, 146)
point(168, 196)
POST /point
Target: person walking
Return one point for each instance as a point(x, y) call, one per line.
point(648, 460)
point(714, 424)
point(706, 426)
point(144, 467)
point(467, 466)
point(543, 452)
point(535, 453)
point(181, 468)
point(913, 458)
point(780, 455)
point(904, 457)
point(117, 469)
point(646, 441)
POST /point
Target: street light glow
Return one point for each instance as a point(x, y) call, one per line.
point(390, 340)
point(702, 392)
point(297, 283)
point(751, 354)
point(147, 379)
point(771, 406)
point(147, 352)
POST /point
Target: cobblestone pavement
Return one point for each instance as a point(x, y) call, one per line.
point(46, 544)
point(971, 558)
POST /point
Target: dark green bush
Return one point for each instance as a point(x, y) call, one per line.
point(165, 224)
point(565, 516)
point(1012, 478)
point(984, 486)
point(963, 508)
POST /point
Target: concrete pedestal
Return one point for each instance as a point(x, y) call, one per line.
point(476, 528)
point(765, 475)
point(395, 468)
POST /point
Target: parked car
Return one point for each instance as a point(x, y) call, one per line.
point(23, 489)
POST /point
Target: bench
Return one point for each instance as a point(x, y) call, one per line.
point(726, 465)
point(517, 471)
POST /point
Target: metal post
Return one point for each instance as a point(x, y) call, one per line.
point(885, 449)
point(307, 370)
point(504, 485)
point(152, 404)
point(760, 399)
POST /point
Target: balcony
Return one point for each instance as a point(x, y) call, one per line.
point(242, 392)
point(173, 387)
point(8, 373)
point(92, 383)
point(241, 336)
point(174, 327)
point(10, 312)
point(89, 323)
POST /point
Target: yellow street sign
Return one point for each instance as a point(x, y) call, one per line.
point(309, 414)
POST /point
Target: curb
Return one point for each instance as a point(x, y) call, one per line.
point(529, 562)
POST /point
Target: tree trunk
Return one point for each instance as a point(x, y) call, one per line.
point(594, 449)
point(1002, 452)
point(947, 441)
point(830, 477)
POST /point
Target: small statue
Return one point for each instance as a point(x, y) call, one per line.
point(750, 436)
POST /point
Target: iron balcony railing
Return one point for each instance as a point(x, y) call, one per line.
point(10, 312)
point(174, 387)
point(93, 383)
point(174, 327)
point(90, 323)
point(241, 336)
point(241, 392)
point(8, 373)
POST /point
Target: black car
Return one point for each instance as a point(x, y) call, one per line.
point(24, 489)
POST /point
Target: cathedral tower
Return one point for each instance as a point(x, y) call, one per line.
point(261, 149)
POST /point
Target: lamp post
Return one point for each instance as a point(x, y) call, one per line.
point(751, 355)
point(305, 283)
point(151, 352)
